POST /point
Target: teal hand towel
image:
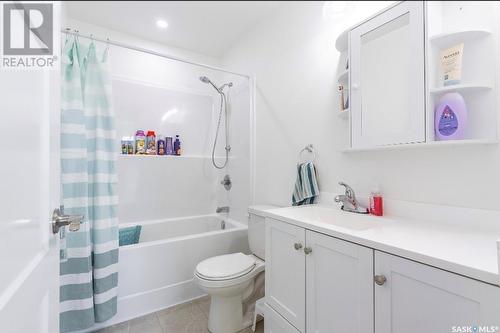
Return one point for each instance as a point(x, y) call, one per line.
point(306, 185)
point(130, 235)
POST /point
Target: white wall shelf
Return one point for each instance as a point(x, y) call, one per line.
point(432, 144)
point(343, 77)
point(343, 114)
point(168, 156)
point(451, 38)
point(461, 88)
point(342, 41)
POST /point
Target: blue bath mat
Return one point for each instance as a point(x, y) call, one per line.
point(130, 235)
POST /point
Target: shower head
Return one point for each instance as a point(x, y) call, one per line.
point(205, 79)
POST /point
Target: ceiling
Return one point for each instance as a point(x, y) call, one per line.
point(207, 27)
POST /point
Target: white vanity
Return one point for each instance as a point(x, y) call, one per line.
point(332, 271)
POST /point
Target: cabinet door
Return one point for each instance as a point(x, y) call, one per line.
point(274, 323)
point(387, 75)
point(339, 286)
point(418, 298)
point(285, 271)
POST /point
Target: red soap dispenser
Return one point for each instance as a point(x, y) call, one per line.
point(376, 203)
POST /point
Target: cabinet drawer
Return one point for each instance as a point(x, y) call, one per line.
point(275, 323)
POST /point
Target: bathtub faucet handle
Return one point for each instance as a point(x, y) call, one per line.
point(224, 209)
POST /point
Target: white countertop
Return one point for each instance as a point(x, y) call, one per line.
point(468, 249)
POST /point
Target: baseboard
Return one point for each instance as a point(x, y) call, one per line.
point(141, 304)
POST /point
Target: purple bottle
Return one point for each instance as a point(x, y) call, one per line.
point(450, 120)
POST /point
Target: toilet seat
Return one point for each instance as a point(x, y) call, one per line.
point(225, 267)
point(241, 278)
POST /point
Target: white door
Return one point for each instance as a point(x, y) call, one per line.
point(339, 287)
point(387, 77)
point(285, 271)
point(417, 298)
point(274, 323)
point(29, 278)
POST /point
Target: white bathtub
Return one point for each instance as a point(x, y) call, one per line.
point(157, 272)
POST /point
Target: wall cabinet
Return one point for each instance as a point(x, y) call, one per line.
point(321, 284)
point(387, 77)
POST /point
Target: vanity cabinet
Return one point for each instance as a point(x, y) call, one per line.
point(418, 298)
point(322, 284)
point(285, 271)
point(316, 282)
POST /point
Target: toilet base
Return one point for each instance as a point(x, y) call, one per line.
point(226, 315)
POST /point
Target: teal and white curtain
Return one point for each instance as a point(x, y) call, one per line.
point(89, 257)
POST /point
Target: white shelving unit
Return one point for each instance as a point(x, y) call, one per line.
point(423, 145)
point(341, 45)
point(344, 113)
point(448, 24)
point(448, 39)
point(461, 88)
point(477, 84)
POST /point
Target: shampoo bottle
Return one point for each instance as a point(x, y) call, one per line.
point(177, 146)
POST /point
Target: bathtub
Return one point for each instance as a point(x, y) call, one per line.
point(157, 272)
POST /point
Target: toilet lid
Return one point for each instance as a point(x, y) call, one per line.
point(226, 266)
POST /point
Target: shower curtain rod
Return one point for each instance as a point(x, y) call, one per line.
point(143, 50)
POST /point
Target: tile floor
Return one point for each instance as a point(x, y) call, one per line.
point(191, 317)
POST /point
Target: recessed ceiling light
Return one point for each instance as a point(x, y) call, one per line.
point(162, 24)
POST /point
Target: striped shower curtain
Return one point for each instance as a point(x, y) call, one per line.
point(89, 257)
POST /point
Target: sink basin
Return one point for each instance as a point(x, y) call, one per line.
point(336, 217)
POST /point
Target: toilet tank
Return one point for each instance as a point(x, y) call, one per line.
point(257, 229)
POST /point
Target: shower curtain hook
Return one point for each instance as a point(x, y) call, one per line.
point(66, 33)
point(77, 34)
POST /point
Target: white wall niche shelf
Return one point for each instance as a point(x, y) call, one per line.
point(169, 157)
point(466, 87)
point(431, 144)
point(448, 39)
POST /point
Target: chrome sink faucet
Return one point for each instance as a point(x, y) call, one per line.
point(349, 201)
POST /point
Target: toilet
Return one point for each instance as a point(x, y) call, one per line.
point(235, 281)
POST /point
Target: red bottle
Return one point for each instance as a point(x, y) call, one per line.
point(376, 203)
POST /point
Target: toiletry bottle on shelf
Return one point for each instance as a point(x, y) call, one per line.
point(376, 203)
point(169, 146)
point(130, 145)
point(151, 143)
point(140, 142)
point(161, 145)
point(177, 146)
point(124, 145)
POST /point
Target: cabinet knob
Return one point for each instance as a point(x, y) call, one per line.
point(380, 279)
point(297, 246)
point(308, 250)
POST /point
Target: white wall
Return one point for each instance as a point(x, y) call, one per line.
point(146, 89)
point(295, 62)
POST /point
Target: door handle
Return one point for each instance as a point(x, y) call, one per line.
point(59, 220)
point(380, 279)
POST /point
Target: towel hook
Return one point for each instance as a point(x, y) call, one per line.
point(310, 149)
